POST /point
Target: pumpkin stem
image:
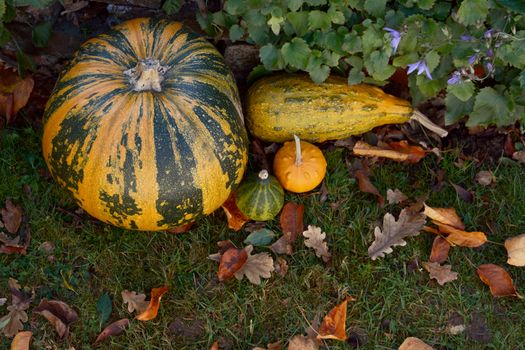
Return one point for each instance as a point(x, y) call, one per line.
point(297, 150)
point(427, 123)
point(263, 174)
point(146, 75)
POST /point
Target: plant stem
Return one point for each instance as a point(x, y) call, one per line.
point(427, 123)
point(297, 150)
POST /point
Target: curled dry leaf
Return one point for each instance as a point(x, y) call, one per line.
point(236, 219)
point(365, 185)
point(256, 266)
point(59, 314)
point(20, 243)
point(223, 247)
point(231, 261)
point(395, 196)
point(440, 249)
point(283, 245)
point(485, 178)
point(300, 342)
point(315, 239)
point(21, 341)
point(447, 216)
point(153, 308)
point(498, 280)
point(12, 323)
point(291, 219)
point(11, 216)
point(397, 151)
point(462, 238)
point(114, 329)
point(516, 250)
point(394, 232)
point(442, 274)
point(135, 301)
point(462, 193)
point(333, 325)
point(412, 343)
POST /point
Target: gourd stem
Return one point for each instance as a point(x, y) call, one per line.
point(147, 75)
point(427, 123)
point(263, 174)
point(297, 150)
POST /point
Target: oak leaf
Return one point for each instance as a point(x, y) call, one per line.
point(134, 300)
point(333, 325)
point(395, 196)
point(21, 341)
point(12, 323)
point(59, 314)
point(440, 249)
point(394, 232)
point(114, 329)
point(256, 266)
point(231, 261)
point(498, 280)
point(301, 342)
point(516, 250)
point(153, 307)
point(412, 343)
point(315, 239)
point(442, 274)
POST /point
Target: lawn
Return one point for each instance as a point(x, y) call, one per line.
point(395, 298)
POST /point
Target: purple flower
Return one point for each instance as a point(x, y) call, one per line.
point(488, 33)
point(455, 79)
point(490, 53)
point(466, 37)
point(490, 67)
point(421, 67)
point(472, 59)
point(396, 38)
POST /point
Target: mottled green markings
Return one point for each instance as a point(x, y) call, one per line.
point(79, 128)
point(172, 173)
point(119, 207)
point(369, 108)
point(260, 199)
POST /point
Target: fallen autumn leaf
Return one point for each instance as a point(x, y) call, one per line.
point(153, 308)
point(59, 314)
point(113, 329)
point(498, 280)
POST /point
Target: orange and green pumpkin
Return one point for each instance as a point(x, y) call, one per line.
point(144, 127)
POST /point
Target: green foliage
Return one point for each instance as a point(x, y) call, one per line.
point(479, 42)
point(172, 6)
point(41, 33)
point(104, 308)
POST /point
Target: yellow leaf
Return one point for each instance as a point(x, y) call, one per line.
point(153, 308)
point(447, 216)
point(21, 341)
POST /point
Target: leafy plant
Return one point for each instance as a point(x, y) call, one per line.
point(472, 49)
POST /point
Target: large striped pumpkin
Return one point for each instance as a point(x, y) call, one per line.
point(144, 127)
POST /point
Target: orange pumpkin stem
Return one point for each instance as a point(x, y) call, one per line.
point(147, 75)
point(297, 150)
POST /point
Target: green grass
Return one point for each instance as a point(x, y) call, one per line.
point(394, 300)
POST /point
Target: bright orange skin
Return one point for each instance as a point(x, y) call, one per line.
point(303, 177)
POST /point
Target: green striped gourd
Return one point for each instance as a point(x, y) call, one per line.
point(260, 196)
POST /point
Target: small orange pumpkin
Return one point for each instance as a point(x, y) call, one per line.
point(299, 166)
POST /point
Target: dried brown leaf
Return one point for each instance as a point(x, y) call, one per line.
point(11, 216)
point(462, 238)
point(442, 274)
point(447, 216)
point(114, 329)
point(291, 219)
point(462, 193)
point(135, 301)
point(13, 321)
point(394, 232)
point(215, 346)
point(485, 178)
point(412, 343)
point(22, 341)
point(300, 342)
point(333, 325)
point(498, 280)
point(231, 261)
point(415, 153)
point(59, 314)
point(153, 308)
point(236, 219)
point(315, 239)
point(440, 249)
point(283, 245)
point(365, 185)
point(182, 228)
point(14, 92)
point(516, 250)
point(256, 266)
point(395, 196)
point(18, 244)
point(281, 266)
point(362, 148)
